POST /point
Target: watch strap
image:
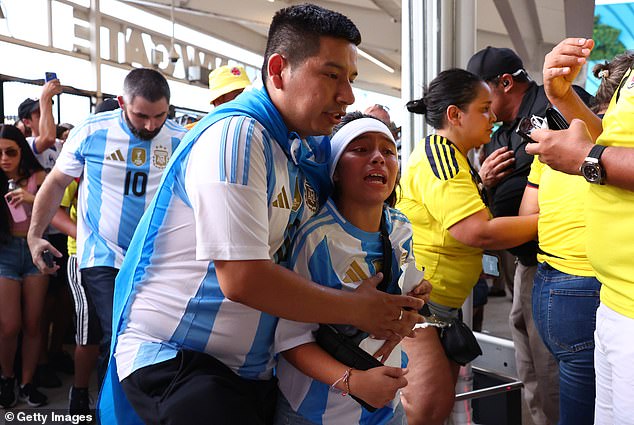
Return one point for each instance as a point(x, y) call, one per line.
point(596, 152)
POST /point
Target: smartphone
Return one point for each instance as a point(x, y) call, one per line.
point(556, 121)
point(47, 256)
point(526, 126)
point(48, 76)
point(491, 265)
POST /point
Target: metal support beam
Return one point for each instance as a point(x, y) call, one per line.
point(579, 16)
point(437, 35)
point(523, 26)
point(95, 45)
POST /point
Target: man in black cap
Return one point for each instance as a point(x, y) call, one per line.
point(37, 115)
point(504, 173)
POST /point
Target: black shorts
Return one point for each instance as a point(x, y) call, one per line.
point(87, 329)
point(196, 388)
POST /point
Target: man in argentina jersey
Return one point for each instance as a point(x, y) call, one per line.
point(333, 252)
point(200, 285)
point(120, 157)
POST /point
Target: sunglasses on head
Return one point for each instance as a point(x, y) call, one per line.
point(10, 152)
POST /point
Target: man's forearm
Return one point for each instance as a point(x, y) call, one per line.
point(617, 163)
point(571, 106)
point(268, 287)
point(47, 202)
point(47, 128)
point(282, 292)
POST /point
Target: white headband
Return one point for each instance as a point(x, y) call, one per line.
point(351, 131)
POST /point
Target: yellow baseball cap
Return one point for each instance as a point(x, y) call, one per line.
point(225, 79)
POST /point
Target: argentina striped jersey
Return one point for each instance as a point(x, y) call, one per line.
point(332, 252)
point(119, 175)
point(237, 197)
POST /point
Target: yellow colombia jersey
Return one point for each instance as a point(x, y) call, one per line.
point(70, 201)
point(438, 192)
point(562, 225)
point(610, 211)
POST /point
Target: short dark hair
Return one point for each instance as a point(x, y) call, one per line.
point(451, 87)
point(147, 83)
point(295, 32)
point(348, 118)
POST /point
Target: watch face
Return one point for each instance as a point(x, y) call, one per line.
point(592, 172)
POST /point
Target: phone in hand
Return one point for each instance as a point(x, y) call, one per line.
point(48, 258)
point(48, 76)
point(555, 120)
point(526, 126)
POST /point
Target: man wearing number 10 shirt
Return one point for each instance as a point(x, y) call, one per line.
point(120, 156)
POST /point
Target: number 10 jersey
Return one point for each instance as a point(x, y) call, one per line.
point(119, 176)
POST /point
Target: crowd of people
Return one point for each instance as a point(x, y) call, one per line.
point(269, 260)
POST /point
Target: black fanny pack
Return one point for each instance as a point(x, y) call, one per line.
point(459, 343)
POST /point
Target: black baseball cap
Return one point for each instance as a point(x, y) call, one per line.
point(27, 107)
point(108, 104)
point(490, 62)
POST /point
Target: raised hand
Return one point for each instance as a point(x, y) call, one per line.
point(562, 65)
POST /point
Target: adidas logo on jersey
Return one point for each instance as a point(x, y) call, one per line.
point(116, 156)
point(354, 273)
point(282, 200)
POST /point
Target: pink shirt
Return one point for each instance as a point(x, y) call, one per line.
point(23, 227)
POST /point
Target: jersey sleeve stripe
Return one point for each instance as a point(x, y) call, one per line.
point(446, 162)
point(442, 157)
point(439, 162)
point(174, 126)
point(247, 153)
point(268, 157)
point(450, 158)
point(430, 156)
point(234, 149)
point(223, 150)
point(105, 116)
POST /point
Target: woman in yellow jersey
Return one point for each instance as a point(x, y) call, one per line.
point(565, 290)
point(441, 196)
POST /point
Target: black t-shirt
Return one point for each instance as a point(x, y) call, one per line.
point(506, 197)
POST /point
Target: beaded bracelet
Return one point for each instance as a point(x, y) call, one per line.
point(346, 380)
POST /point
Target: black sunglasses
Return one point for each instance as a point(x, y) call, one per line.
point(10, 152)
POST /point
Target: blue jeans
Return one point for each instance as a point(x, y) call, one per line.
point(564, 310)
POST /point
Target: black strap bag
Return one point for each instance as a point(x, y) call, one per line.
point(345, 348)
point(459, 343)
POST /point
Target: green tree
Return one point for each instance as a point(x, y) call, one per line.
point(606, 39)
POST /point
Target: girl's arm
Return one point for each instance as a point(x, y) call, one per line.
point(478, 230)
point(376, 386)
